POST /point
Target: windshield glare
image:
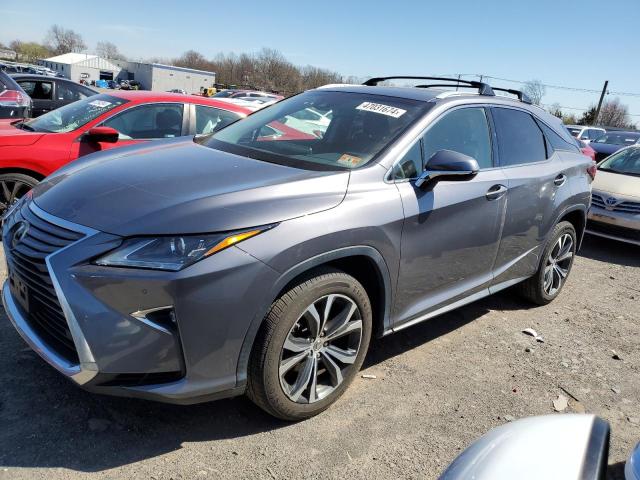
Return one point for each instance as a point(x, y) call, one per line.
point(622, 138)
point(75, 115)
point(321, 129)
point(625, 161)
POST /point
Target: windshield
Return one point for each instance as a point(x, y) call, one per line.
point(618, 138)
point(74, 115)
point(224, 94)
point(319, 129)
point(626, 161)
point(574, 131)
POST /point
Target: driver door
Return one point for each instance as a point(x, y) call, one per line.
point(452, 229)
point(138, 124)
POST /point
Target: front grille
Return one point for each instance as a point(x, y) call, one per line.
point(26, 261)
point(626, 207)
point(614, 230)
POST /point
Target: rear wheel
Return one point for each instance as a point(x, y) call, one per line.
point(556, 263)
point(12, 187)
point(311, 345)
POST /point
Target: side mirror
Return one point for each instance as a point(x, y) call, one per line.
point(102, 134)
point(448, 165)
point(569, 446)
point(632, 468)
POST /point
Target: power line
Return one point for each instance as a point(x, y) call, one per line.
point(557, 87)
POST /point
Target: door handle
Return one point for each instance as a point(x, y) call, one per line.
point(560, 180)
point(496, 192)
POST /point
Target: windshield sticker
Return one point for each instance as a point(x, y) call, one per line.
point(350, 161)
point(100, 103)
point(381, 109)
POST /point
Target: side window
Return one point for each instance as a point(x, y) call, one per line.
point(148, 121)
point(554, 141)
point(38, 90)
point(520, 140)
point(410, 166)
point(209, 119)
point(69, 93)
point(593, 133)
point(466, 131)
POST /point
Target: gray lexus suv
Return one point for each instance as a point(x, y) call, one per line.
point(264, 258)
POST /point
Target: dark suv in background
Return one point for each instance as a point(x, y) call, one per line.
point(250, 262)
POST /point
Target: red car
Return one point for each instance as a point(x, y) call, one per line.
point(586, 149)
point(32, 149)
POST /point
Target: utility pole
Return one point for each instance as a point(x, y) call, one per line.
point(604, 91)
point(458, 84)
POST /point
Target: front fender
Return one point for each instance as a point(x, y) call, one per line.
point(297, 270)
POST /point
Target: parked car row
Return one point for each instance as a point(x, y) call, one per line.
point(601, 143)
point(13, 67)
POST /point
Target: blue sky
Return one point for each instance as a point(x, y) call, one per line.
point(561, 42)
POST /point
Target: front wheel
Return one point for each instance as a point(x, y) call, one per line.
point(555, 265)
point(311, 345)
point(12, 187)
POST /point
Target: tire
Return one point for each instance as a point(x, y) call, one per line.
point(12, 187)
point(291, 319)
point(536, 289)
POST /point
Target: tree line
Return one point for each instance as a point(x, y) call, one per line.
point(267, 69)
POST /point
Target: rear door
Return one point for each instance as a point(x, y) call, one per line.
point(451, 231)
point(206, 119)
point(67, 92)
point(535, 178)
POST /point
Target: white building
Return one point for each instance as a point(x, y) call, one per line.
point(82, 66)
point(152, 76)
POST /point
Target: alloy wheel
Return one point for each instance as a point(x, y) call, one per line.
point(558, 264)
point(321, 345)
point(11, 191)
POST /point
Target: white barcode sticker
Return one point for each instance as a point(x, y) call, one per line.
point(100, 103)
point(381, 109)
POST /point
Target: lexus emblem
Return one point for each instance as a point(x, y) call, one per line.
point(19, 233)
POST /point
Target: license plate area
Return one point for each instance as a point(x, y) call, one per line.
point(19, 290)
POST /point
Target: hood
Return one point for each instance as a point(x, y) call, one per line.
point(606, 148)
point(11, 136)
point(617, 184)
point(180, 187)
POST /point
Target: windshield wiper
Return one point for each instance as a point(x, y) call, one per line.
point(24, 126)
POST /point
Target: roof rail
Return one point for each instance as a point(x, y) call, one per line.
point(483, 88)
point(523, 97)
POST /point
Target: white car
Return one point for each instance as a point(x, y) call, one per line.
point(309, 120)
point(585, 133)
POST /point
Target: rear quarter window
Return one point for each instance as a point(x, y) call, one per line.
point(520, 139)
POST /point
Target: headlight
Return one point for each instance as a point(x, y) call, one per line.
point(172, 253)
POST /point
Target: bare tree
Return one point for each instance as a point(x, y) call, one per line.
point(535, 90)
point(614, 114)
point(61, 40)
point(556, 110)
point(192, 59)
point(266, 70)
point(313, 77)
point(109, 50)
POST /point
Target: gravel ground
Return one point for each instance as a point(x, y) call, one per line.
point(438, 386)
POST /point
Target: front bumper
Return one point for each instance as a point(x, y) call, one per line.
point(120, 349)
point(615, 225)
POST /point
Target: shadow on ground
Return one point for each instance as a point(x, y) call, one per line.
point(610, 251)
